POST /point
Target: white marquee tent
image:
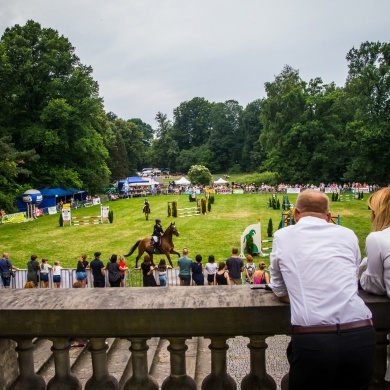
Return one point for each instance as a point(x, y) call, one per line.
point(182, 181)
point(221, 181)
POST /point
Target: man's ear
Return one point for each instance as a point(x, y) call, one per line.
point(328, 216)
point(297, 215)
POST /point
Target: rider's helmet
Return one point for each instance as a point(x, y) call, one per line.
point(158, 220)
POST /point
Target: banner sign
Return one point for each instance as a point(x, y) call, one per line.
point(253, 231)
point(66, 215)
point(13, 218)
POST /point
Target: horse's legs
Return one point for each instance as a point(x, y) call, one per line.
point(136, 261)
point(169, 259)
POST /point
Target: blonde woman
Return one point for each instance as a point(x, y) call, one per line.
point(261, 275)
point(376, 276)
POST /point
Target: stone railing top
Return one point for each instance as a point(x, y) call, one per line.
point(145, 312)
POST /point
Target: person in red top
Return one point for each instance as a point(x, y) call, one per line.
point(122, 264)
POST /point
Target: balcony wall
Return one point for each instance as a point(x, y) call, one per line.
point(138, 314)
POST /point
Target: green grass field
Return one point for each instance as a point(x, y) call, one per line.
point(215, 233)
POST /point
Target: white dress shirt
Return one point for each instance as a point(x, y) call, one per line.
point(316, 263)
point(376, 278)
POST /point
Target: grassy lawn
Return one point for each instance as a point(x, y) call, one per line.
point(215, 233)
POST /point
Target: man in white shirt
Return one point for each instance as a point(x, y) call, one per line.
point(314, 267)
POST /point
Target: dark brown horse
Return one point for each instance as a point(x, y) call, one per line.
point(166, 247)
point(146, 210)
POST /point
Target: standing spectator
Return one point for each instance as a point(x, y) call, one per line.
point(57, 274)
point(6, 268)
point(211, 269)
point(261, 275)
point(114, 271)
point(376, 276)
point(44, 273)
point(32, 270)
point(221, 277)
point(147, 272)
point(250, 269)
point(235, 266)
point(314, 266)
point(81, 270)
point(184, 263)
point(162, 272)
point(98, 272)
point(197, 271)
point(123, 265)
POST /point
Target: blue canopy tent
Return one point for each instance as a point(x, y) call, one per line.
point(51, 196)
point(131, 180)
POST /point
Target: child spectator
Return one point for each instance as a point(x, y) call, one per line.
point(44, 273)
point(162, 272)
point(211, 269)
point(57, 274)
point(250, 269)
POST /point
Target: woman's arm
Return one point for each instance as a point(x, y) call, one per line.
point(227, 277)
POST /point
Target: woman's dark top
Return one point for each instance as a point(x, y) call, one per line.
point(147, 279)
point(32, 271)
point(82, 265)
point(220, 279)
point(197, 273)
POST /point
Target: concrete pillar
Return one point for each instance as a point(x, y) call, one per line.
point(258, 379)
point(218, 379)
point(27, 379)
point(178, 378)
point(141, 380)
point(63, 379)
point(101, 379)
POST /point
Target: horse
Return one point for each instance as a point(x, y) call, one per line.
point(165, 248)
point(146, 210)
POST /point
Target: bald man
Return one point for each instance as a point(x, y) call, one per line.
point(314, 267)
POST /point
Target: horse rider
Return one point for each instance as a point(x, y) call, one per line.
point(146, 207)
point(157, 234)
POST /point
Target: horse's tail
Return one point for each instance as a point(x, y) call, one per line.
point(133, 248)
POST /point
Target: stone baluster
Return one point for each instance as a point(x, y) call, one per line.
point(100, 379)
point(257, 379)
point(218, 379)
point(63, 379)
point(178, 378)
point(381, 351)
point(140, 379)
point(27, 379)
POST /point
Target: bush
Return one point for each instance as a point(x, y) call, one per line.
point(111, 216)
point(270, 228)
point(199, 174)
point(249, 246)
point(61, 220)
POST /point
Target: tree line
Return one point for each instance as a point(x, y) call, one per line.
point(54, 130)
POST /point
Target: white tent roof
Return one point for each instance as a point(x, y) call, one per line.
point(183, 180)
point(221, 181)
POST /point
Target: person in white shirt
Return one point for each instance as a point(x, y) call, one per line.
point(314, 267)
point(376, 266)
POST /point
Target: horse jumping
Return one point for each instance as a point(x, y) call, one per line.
point(166, 247)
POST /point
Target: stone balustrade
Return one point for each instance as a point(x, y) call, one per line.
point(138, 314)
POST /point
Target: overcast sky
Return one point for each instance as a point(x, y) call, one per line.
point(152, 55)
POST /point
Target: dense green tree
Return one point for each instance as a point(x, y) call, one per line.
point(368, 89)
point(11, 167)
point(226, 139)
point(251, 126)
point(195, 156)
point(49, 102)
point(164, 147)
point(192, 123)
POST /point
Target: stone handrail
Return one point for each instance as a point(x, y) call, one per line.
point(174, 313)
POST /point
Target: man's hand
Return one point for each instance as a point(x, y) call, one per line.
point(284, 299)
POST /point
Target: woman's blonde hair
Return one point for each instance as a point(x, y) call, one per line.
point(379, 203)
